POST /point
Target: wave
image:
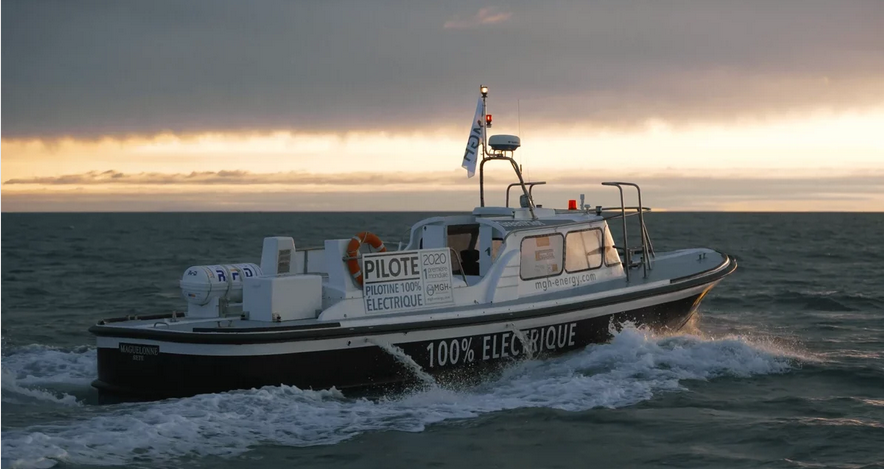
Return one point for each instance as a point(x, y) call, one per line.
point(635, 366)
point(810, 300)
point(45, 373)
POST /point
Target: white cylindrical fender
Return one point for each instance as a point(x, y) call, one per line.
point(201, 284)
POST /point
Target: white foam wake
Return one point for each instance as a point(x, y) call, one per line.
point(633, 367)
point(43, 373)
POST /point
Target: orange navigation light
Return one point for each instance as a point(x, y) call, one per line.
point(572, 204)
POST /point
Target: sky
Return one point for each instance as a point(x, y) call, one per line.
point(340, 105)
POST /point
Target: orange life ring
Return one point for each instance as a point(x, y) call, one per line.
point(353, 252)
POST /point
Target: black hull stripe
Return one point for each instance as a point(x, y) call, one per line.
point(714, 275)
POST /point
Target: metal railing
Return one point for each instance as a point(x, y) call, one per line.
point(501, 155)
point(456, 255)
point(306, 251)
point(647, 249)
point(530, 190)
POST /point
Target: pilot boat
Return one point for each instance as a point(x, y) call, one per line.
point(464, 294)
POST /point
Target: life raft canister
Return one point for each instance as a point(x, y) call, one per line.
point(353, 252)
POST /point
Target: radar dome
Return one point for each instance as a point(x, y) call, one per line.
point(504, 142)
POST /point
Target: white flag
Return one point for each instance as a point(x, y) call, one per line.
point(477, 134)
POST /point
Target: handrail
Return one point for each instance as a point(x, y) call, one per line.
point(611, 209)
point(626, 254)
point(500, 156)
point(646, 251)
point(650, 244)
point(307, 256)
point(459, 264)
point(614, 216)
point(530, 190)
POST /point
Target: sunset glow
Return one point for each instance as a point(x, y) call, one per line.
point(726, 110)
point(425, 163)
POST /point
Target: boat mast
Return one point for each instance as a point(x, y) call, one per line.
point(498, 155)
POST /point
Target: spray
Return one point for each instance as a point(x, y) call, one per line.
point(403, 358)
point(527, 345)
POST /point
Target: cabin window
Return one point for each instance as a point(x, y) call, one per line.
point(611, 255)
point(583, 250)
point(541, 256)
point(464, 239)
point(496, 244)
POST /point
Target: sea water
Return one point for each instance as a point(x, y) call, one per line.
point(784, 367)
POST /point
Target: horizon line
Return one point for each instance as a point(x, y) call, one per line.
point(37, 212)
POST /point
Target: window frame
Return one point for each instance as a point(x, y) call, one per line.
point(601, 250)
point(460, 229)
point(605, 233)
point(562, 259)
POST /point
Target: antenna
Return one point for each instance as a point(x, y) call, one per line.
point(519, 114)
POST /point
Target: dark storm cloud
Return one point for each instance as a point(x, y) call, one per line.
point(123, 67)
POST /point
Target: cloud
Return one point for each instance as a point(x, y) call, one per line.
point(845, 193)
point(87, 70)
point(485, 16)
point(239, 177)
point(728, 183)
point(243, 190)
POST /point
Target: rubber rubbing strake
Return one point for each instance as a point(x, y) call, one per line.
point(352, 258)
